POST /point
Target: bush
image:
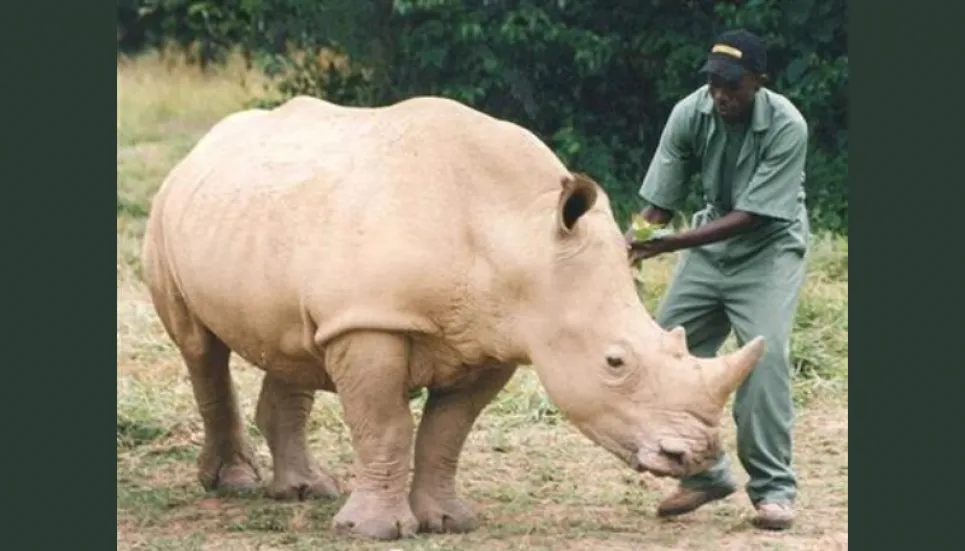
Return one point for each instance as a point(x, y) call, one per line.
point(595, 80)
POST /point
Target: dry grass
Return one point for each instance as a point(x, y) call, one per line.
point(536, 483)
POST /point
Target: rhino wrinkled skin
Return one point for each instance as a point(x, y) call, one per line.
point(371, 251)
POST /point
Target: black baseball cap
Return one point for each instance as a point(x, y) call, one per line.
point(736, 53)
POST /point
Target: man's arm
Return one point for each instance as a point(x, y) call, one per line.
point(729, 225)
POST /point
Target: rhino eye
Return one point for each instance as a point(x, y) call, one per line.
point(614, 361)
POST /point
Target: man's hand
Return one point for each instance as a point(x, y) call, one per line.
point(642, 250)
point(639, 250)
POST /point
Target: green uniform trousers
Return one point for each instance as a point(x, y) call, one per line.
point(709, 295)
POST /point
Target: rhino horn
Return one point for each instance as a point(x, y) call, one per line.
point(726, 373)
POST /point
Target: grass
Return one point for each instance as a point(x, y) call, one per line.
point(536, 483)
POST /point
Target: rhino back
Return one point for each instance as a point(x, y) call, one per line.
point(285, 228)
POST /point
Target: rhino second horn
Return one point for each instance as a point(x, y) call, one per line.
point(676, 342)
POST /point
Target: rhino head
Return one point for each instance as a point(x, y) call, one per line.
point(623, 381)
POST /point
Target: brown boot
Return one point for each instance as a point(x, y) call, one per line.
point(774, 516)
point(687, 499)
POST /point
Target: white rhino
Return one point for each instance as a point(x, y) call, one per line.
point(373, 251)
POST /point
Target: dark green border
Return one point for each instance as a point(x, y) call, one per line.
point(905, 175)
point(58, 380)
point(58, 372)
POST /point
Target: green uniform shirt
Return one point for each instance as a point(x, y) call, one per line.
point(757, 168)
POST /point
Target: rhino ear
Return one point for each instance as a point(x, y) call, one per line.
point(578, 195)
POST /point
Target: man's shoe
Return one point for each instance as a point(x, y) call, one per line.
point(689, 499)
point(774, 516)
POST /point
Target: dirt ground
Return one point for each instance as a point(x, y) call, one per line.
point(535, 482)
point(547, 489)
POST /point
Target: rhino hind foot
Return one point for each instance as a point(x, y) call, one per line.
point(236, 478)
point(319, 485)
point(239, 474)
point(450, 516)
point(369, 516)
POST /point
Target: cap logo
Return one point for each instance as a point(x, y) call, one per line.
point(725, 49)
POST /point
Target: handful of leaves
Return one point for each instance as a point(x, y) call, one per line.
point(644, 230)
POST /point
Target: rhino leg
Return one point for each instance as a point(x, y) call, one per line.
point(370, 370)
point(281, 415)
point(446, 422)
point(226, 461)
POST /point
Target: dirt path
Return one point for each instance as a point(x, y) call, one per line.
point(547, 488)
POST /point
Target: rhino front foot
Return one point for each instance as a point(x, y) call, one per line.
point(447, 418)
point(370, 370)
point(292, 487)
point(442, 515)
point(370, 516)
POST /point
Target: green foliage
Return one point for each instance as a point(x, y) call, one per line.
point(209, 29)
point(595, 80)
point(212, 26)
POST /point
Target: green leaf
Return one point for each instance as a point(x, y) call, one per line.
point(198, 8)
point(644, 230)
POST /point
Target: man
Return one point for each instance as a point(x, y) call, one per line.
point(742, 264)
